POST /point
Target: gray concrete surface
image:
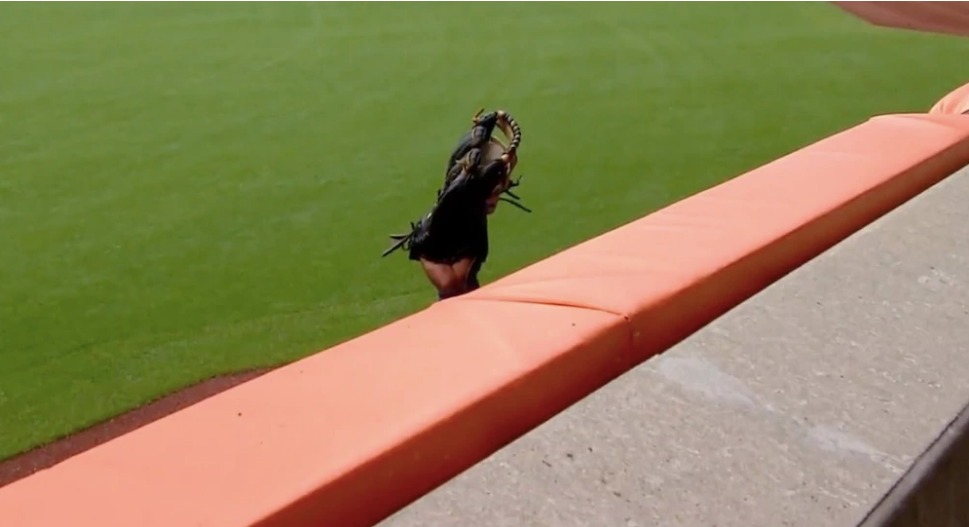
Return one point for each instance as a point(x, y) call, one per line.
point(801, 407)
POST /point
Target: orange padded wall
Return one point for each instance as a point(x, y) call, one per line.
point(347, 436)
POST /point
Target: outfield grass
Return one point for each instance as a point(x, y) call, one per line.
point(190, 189)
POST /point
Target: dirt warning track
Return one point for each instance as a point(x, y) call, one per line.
point(48, 455)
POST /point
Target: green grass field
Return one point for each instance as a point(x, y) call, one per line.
point(192, 189)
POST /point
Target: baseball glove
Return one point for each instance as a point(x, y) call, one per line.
point(479, 167)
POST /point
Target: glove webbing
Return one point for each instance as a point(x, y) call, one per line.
point(466, 160)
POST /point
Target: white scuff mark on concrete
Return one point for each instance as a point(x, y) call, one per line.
point(703, 377)
point(936, 280)
point(834, 440)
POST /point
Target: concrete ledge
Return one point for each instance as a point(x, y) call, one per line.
point(806, 405)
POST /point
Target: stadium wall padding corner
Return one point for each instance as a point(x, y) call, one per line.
point(953, 103)
point(350, 435)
